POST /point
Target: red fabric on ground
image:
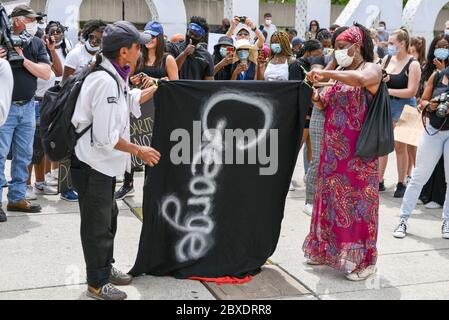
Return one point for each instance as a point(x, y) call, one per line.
point(224, 280)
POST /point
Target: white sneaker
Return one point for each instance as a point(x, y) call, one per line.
point(420, 203)
point(50, 180)
point(292, 187)
point(433, 205)
point(308, 209)
point(362, 275)
point(401, 230)
point(45, 189)
point(30, 194)
point(445, 229)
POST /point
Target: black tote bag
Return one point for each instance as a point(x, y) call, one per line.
point(377, 137)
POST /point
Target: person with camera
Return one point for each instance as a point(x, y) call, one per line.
point(241, 28)
point(434, 143)
point(224, 58)
point(20, 125)
point(193, 60)
point(103, 153)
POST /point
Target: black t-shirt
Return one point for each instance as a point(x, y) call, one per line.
point(25, 84)
point(295, 72)
point(439, 88)
point(197, 66)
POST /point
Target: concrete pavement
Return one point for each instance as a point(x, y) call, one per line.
point(41, 256)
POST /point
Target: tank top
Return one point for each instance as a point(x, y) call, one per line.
point(439, 88)
point(157, 72)
point(277, 72)
point(400, 80)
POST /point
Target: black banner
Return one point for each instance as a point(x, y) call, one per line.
point(142, 130)
point(220, 216)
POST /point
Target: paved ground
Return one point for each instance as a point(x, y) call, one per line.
point(41, 258)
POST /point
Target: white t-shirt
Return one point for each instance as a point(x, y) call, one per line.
point(270, 30)
point(78, 58)
point(44, 85)
point(6, 87)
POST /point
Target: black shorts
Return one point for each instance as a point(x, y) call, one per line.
point(38, 150)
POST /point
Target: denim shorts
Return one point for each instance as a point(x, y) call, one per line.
point(397, 106)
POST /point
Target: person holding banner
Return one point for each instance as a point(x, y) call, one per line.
point(343, 233)
point(154, 63)
point(103, 154)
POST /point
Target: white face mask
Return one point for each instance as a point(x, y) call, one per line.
point(42, 26)
point(31, 28)
point(90, 48)
point(342, 57)
point(268, 22)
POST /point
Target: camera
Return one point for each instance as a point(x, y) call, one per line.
point(443, 106)
point(242, 19)
point(9, 41)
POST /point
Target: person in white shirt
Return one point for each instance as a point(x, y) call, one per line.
point(269, 27)
point(104, 153)
point(82, 56)
point(7, 81)
point(56, 31)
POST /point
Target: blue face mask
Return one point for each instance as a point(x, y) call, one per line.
point(441, 54)
point(446, 32)
point(243, 54)
point(392, 50)
point(223, 52)
point(276, 48)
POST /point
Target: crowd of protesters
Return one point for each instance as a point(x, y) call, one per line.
point(346, 64)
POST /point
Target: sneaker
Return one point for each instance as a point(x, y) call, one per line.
point(24, 206)
point(42, 188)
point(119, 278)
point(407, 181)
point(30, 194)
point(3, 217)
point(400, 190)
point(292, 187)
point(362, 275)
point(382, 186)
point(124, 192)
point(106, 292)
point(70, 196)
point(119, 179)
point(445, 229)
point(50, 180)
point(401, 230)
point(308, 209)
point(433, 205)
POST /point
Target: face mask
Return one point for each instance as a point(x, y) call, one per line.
point(342, 57)
point(446, 32)
point(223, 52)
point(42, 26)
point(381, 29)
point(90, 48)
point(243, 54)
point(58, 44)
point(392, 50)
point(276, 48)
point(268, 22)
point(326, 51)
point(441, 54)
point(375, 49)
point(31, 28)
point(194, 41)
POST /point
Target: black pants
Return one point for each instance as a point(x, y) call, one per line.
point(98, 220)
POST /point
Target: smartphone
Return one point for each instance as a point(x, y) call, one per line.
point(230, 51)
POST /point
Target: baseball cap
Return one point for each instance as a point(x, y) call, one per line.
point(296, 41)
point(24, 11)
point(122, 34)
point(154, 28)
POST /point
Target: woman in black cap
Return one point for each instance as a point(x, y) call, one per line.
point(223, 58)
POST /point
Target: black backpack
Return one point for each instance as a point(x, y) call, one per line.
point(59, 136)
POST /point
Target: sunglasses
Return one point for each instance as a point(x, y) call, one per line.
point(194, 35)
point(55, 32)
point(94, 39)
point(243, 34)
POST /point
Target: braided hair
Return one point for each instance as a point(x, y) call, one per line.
point(51, 24)
point(284, 41)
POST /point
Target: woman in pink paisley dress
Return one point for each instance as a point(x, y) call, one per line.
point(343, 234)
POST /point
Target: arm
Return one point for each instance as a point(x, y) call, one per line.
point(413, 83)
point(172, 68)
point(427, 94)
point(149, 155)
point(57, 67)
point(369, 76)
point(259, 34)
point(190, 49)
point(6, 89)
point(234, 24)
point(67, 73)
point(41, 69)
